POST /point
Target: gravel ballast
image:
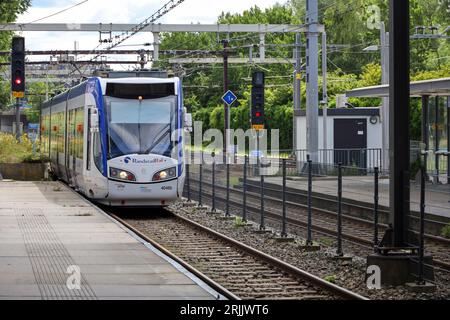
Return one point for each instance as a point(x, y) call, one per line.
point(346, 273)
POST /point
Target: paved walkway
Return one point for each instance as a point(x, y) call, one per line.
point(55, 245)
point(362, 189)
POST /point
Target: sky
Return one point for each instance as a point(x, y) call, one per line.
point(119, 11)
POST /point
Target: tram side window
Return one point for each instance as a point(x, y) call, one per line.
point(79, 132)
point(45, 122)
point(71, 132)
point(60, 147)
point(47, 134)
point(53, 136)
point(97, 151)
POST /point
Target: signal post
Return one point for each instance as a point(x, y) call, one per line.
point(18, 76)
point(257, 108)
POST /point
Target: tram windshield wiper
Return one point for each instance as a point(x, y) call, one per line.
point(158, 140)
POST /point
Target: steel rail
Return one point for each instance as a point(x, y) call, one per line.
point(327, 212)
point(213, 284)
point(324, 230)
point(288, 268)
point(382, 209)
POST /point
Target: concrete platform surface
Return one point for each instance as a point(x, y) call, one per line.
point(362, 189)
point(55, 245)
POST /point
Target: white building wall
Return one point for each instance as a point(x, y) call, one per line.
point(374, 134)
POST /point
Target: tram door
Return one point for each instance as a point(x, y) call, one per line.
point(89, 139)
point(350, 142)
point(70, 154)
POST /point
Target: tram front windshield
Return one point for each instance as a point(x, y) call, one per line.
point(140, 126)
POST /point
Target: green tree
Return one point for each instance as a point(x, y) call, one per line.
point(346, 22)
point(35, 96)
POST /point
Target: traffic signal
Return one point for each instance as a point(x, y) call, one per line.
point(257, 109)
point(18, 67)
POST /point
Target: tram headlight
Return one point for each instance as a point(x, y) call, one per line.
point(165, 174)
point(121, 174)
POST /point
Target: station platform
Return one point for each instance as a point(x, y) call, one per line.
point(361, 189)
point(55, 245)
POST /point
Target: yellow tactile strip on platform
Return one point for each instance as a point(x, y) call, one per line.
point(53, 267)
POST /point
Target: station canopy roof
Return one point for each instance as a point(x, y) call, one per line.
point(434, 87)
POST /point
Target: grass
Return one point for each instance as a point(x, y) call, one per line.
point(326, 241)
point(239, 222)
point(445, 231)
point(330, 278)
point(13, 151)
point(234, 181)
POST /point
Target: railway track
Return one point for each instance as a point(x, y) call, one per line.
point(245, 272)
point(354, 229)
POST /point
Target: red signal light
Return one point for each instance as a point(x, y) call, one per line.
point(258, 114)
point(18, 81)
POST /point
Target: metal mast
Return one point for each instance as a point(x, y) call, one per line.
point(312, 67)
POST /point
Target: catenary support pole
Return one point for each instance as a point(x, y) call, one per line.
point(225, 106)
point(324, 98)
point(399, 120)
point(312, 67)
point(384, 42)
point(297, 97)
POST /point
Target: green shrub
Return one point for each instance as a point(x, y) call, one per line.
point(239, 222)
point(330, 278)
point(445, 231)
point(13, 151)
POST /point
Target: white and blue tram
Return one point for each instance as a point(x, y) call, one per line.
point(119, 141)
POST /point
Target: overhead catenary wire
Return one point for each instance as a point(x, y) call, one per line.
point(167, 7)
point(323, 8)
point(56, 13)
point(136, 29)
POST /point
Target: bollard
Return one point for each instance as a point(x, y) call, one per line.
point(188, 182)
point(309, 236)
point(262, 225)
point(375, 210)
point(227, 205)
point(200, 188)
point(283, 222)
point(420, 279)
point(213, 209)
point(244, 200)
point(339, 213)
